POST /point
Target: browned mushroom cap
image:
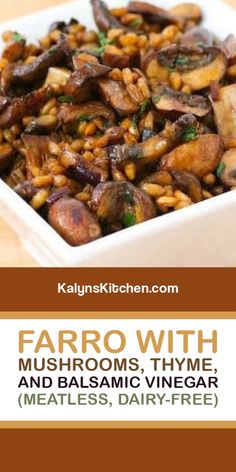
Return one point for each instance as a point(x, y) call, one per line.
point(80, 82)
point(7, 154)
point(116, 95)
point(24, 74)
point(82, 170)
point(199, 37)
point(73, 221)
point(200, 156)
point(227, 168)
point(188, 183)
point(88, 111)
point(169, 100)
point(103, 17)
point(188, 11)
point(229, 47)
point(14, 50)
point(17, 108)
point(37, 151)
point(122, 203)
point(152, 13)
point(224, 109)
point(197, 67)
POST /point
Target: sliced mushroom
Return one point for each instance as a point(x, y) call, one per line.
point(229, 47)
point(152, 13)
point(200, 156)
point(116, 95)
point(188, 11)
point(121, 204)
point(57, 75)
point(199, 37)
point(225, 109)
point(79, 86)
point(42, 125)
point(19, 107)
point(227, 168)
point(57, 25)
point(103, 17)
point(82, 170)
point(37, 151)
point(73, 221)
point(188, 183)
point(62, 25)
point(197, 67)
point(73, 113)
point(25, 74)
point(7, 154)
point(150, 151)
point(166, 99)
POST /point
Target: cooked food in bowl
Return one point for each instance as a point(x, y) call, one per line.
point(102, 130)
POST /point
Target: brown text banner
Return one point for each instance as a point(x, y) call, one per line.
point(197, 289)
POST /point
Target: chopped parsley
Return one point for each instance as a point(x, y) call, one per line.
point(189, 134)
point(220, 169)
point(134, 121)
point(103, 41)
point(128, 198)
point(18, 38)
point(181, 61)
point(84, 118)
point(136, 23)
point(97, 51)
point(144, 107)
point(156, 99)
point(129, 220)
point(66, 99)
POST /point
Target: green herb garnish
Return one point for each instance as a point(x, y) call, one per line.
point(128, 198)
point(136, 23)
point(84, 118)
point(66, 99)
point(96, 51)
point(18, 38)
point(156, 99)
point(220, 169)
point(103, 40)
point(181, 61)
point(144, 107)
point(129, 220)
point(189, 134)
point(134, 120)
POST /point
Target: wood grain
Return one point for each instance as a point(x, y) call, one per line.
point(11, 252)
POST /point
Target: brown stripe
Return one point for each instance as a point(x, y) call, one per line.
point(65, 315)
point(199, 289)
point(117, 424)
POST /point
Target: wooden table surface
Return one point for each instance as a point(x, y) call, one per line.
point(11, 252)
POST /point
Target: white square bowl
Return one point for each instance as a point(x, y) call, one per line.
point(202, 235)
